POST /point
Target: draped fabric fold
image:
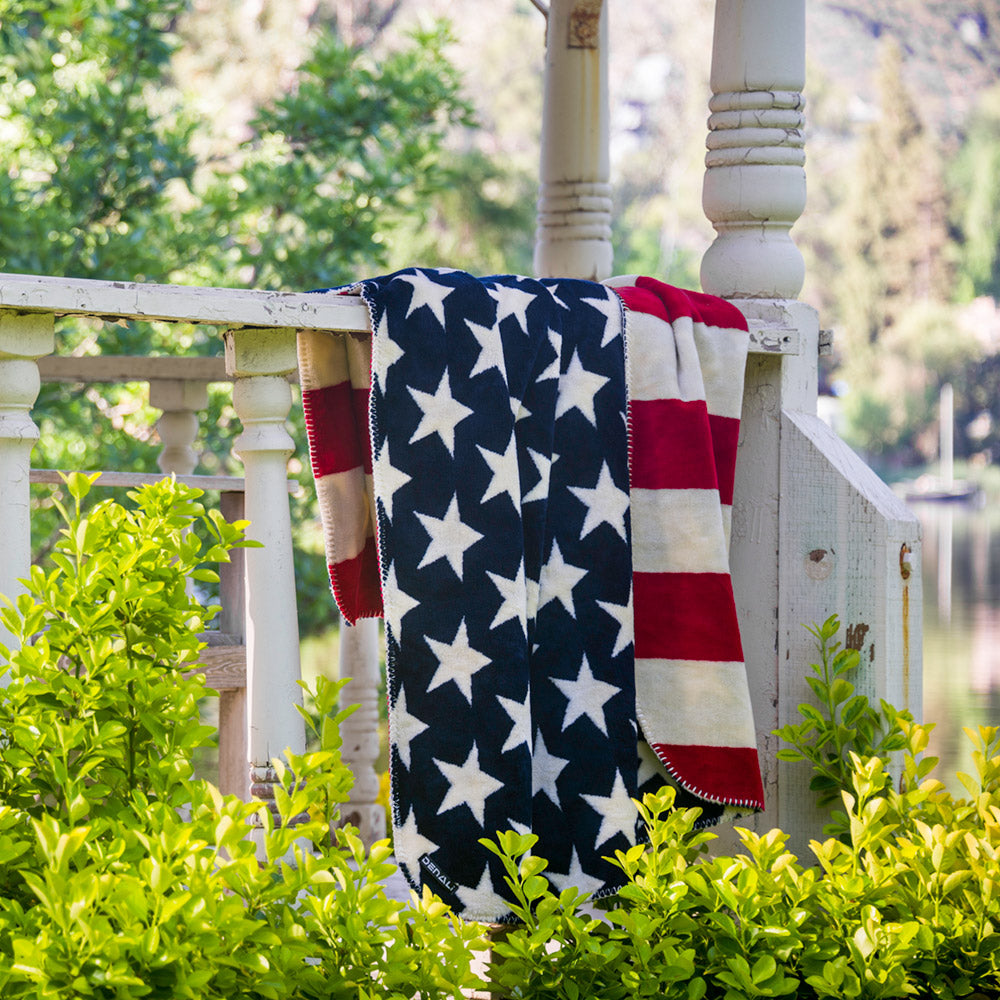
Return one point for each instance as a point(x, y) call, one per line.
point(539, 474)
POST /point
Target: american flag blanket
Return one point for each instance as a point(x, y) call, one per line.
point(531, 481)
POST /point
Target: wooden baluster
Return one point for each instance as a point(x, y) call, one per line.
point(755, 184)
point(259, 360)
point(359, 660)
point(573, 238)
point(814, 531)
point(24, 337)
point(234, 777)
point(180, 402)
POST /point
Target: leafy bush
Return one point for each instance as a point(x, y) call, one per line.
point(121, 875)
point(908, 907)
point(904, 902)
point(845, 723)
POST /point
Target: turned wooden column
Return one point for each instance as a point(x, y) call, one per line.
point(24, 338)
point(815, 532)
point(573, 238)
point(258, 360)
point(180, 400)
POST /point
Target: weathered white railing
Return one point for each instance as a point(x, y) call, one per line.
point(258, 683)
point(258, 331)
point(814, 531)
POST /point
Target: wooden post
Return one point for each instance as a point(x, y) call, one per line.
point(259, 360)
point(180, 401)
point(24, 337)
point(359, 660)
point(815, 532)
point(234, 776)
point(573, 238)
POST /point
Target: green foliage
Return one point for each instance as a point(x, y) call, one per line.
point(843, 727)
point(895, 278)
point(104, 179)
point(120, 875)
point(975, 178)
point(895, 215)
point(906, 905)
point(334, 166)
point(97, 706)
point(91, 151)
point(903, 903)
point(107, 175)
point(894, 407)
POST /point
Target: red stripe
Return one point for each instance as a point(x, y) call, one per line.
point(672, 445)
point(360, 402)
point(335, 444)
point(726, 774)
point(708, 309)
point(725, 438)
point(685, 616)
point(356, 584)
point(642, 300)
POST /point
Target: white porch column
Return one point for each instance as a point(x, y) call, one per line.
point(573, 238)
point(815, 532)
point(259, 360)
point(24, 337)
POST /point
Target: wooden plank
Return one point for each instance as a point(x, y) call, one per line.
point(228, 307)
point(224, 667)
point(131, 480)
point(851, 547)
point(235, 307)
point(234, 769)
point(234, 759)
point(214, 639)
point(118, 368)
point(754, 564)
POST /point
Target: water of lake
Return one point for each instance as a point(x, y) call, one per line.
point(961, 579)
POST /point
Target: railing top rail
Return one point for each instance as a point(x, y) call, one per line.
point(229, 307)
point(236, 307)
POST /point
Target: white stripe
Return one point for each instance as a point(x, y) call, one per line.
point(359, 361)
point(694, 702)
point(688, 363)
point(677, 531)
point(345, 510)
point(663, 358)
point(322, 359)
point(723, 354)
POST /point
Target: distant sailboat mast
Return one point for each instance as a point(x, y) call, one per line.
point(947, 435)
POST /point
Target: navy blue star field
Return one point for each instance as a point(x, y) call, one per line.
point(500, 459)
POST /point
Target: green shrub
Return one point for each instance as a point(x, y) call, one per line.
point(905, 901)
point(845, 723)
point(122, 876)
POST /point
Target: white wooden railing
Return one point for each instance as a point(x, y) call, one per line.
point(814, 531)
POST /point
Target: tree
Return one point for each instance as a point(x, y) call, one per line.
point(107, 176)
point(895, 277)
point(893, 412)
point(975, 180)
point(895, 227)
